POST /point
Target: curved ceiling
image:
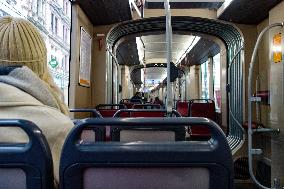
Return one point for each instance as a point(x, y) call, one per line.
point(155, 47)
point(154, 73)
point(187, 49)
point(229, 34)
point(200, 53)
point(127, 53)
point(225, 31)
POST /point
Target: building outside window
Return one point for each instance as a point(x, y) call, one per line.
point(65, 33)
point(66, 7)
point(40, 8)
point(66, 63)
point(57, 41)
point(3, 13)
point(54, 24)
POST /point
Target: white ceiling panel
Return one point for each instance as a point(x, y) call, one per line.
point(155, 73)
point(156, 51)
point(155, 46)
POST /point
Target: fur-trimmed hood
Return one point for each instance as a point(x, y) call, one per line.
point(25, 80)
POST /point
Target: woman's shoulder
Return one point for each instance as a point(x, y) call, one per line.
point(22, 105)
point(13, 96)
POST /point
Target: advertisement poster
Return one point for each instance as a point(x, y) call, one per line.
point(85, 59)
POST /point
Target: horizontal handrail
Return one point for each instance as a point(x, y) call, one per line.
point(119, 112)
point(121, 106)
point(157, 106)
point(94, 112)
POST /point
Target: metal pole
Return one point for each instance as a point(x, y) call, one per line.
point(169, 100)
point(252, 151)
point(108, 90)
point(113, 56)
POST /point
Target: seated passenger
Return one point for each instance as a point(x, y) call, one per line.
point(158, 101)
point(27, 90)
point(136, 97)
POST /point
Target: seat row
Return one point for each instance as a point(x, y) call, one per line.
point(192, 108)
point(197, 108)
point(173, 164)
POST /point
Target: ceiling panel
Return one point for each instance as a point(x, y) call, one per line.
point(155, 52)
point(201, 51)
point(150, 55)
point(135, 76)
point(155, 73)
point(247, 11)
point(184, 5)
point(152, 47)
point(127, 53)
point(162, 38)
point(156, 60)
point(103, 12)
point(155, 47)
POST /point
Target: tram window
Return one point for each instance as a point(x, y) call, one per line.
point(217, 81)
point(205, 80)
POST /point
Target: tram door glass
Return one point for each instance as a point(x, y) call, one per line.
point(205, 80)
point(217, 81)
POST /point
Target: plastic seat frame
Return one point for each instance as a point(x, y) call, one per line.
point(144, 113)
point(214, 154)
point(108, 110)
point(34, 157)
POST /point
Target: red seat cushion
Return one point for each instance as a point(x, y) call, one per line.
point(107, 113)
point(128, 105)
point(183, 108)
point(200, 109)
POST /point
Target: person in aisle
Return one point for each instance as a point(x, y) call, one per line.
point(27, 88)
point(158, 101)
point(137, 95)
point(137, 98)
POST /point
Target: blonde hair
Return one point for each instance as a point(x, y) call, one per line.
point(22, 44)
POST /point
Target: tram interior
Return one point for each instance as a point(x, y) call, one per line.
point(141, 59)
point(204, 140)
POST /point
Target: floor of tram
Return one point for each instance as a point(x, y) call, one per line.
point(244, 185)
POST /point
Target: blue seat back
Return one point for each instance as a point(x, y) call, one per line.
point(110, 162)
point(33, 158)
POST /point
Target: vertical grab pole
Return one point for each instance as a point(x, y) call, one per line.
point(251, 151)
point(169, 99)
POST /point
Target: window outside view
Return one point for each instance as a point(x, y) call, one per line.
point(217, 81)
point(205, 80)
point(53, 19)
point(205, 77)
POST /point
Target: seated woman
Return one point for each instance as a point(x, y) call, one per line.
point(27, 90)
point(158, 101)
